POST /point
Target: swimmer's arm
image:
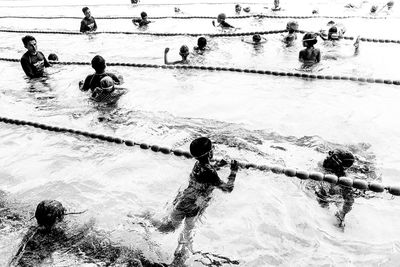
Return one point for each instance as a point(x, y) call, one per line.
point(318, 57)
point(86, 85)
point(301, 56)
point(228, 186)
point(166, 59)
point(27, 68)
point(83, 24)
point(135, 21)
point(95, 25)
point(46, 63)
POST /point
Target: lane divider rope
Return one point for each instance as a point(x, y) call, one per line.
point(226, 69)
point(290, 172)
point(200, 17)
point(148, 33)
point(364, 39)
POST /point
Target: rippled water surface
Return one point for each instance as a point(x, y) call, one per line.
point(269, 219)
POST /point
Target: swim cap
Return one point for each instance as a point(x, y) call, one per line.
point(184, 50)
point(201, 42)
point(310, 36)
point(333, 33)
point(53, 57)
point(246, 9)
point(256, 38)
point(292, 25)
point(98, 63)
point(373, 9)
point(339, 160)
point(48, 212)
point(330, 23)
point(143, 14)
point(107, 83)
point(390, 4)
point(222, 16)
point(200, 147)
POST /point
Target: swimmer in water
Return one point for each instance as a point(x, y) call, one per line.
point(52, 57)
point(183, 52)
point(201, 45)
point(255, 40)
point(107, 93)
point(222, 23)
point(276, 6)
point(92, 81)
point(142, 21)
point(88, 23)
point(238, 8)
point(310, 55)
point(54, 234)
point(291, 37)
point(191, 203)
point(337, 162)
point(33, 62)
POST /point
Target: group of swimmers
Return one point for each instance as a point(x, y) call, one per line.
point(190, 204)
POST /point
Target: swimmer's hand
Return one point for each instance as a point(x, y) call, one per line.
point(80, 84)
point(221, 163)
point(166, 50)
point(121, 79)
point(234, 165)
point(213, 23)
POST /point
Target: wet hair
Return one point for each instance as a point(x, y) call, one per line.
point(143, 14)
point(49, 212)
point(292, 26)
point(98, 63)
point(201, 42)
point(310, 38)
point(390, 4)
point(222, 16)
point(26, 39)
point(53, 57)
point(184, 50)
point(256, 38)
point(85, 9)
point(315, 11)
point(200, 147)
point(338, 161)
point(374, 9)
point(333, 29)
point(238, 7)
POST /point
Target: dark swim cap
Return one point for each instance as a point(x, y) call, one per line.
point(143, 14)
point(184, 50)
point(98, 63)
point(256, 38)
point(339, 159)
point(202, 42)
point(53, 57)
point(310, 37)
point(374, 9)
point(48, 212)
point(200, 147)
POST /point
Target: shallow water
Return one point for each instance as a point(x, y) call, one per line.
point(268, 220)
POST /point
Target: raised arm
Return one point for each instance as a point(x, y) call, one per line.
point(165, 56)
point(228, 186)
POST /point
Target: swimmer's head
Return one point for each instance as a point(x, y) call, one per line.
point(292, 26)
point(143, 15)
point(201, 147)
point(107, 84)
point(333, 33)
point(53, 57)
point(49, 212)
point(238, 8)
point(309, 39)
point(330, 23)
point(86, 11)
point(315, 11)
point(390, 4)
point(256, 38)
point(177, 10)
point(184, 51)
point(30, 44)
point(201, 42)
point(374, 9)
point(338, 160)
point(246, 9)
point(98, 64)
point(221, 17)
point(289, 39)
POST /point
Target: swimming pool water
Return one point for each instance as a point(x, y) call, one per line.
point(268, 220)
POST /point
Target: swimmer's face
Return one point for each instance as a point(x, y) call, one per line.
point(238, 8)
point(31, 46)
point(87, 13)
